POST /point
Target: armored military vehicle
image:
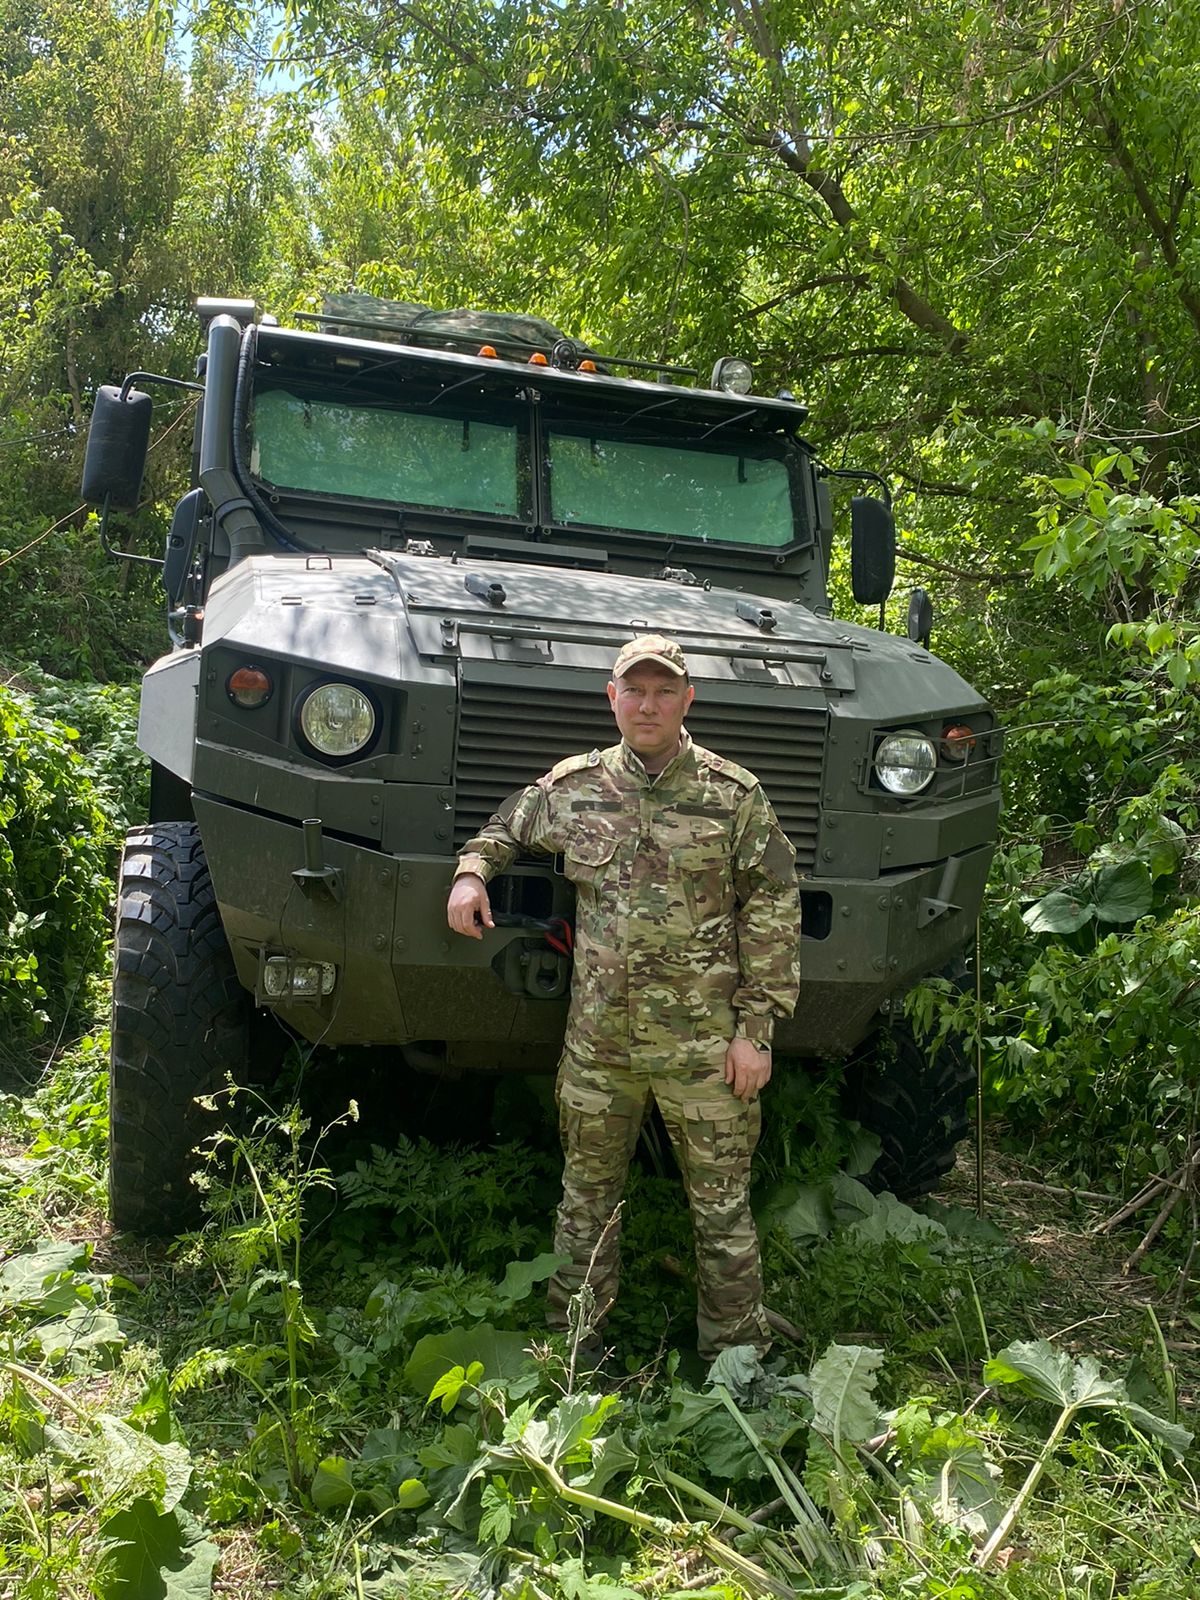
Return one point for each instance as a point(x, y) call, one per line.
point(413, 545)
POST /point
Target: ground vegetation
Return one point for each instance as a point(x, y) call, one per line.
point(969, 240)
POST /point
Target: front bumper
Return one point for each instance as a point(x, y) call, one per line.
point(403, 977)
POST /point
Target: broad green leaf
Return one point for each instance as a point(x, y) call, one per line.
point(157, 1556)
point(502, 1355)
point(1057, 913)
point(1124, 893)
point(1162, 845)
point(1177, 1438)
point(1159, 636)
point(24, 1278)
point(578, 1583)
point(457, 1447)
point(332, 1486)
point(808, 1213)
point(965, 1484)
point(451, 1384)
point(153, 1415)
point(961, 1222)
point(545, 1543)
point(737, 1368)
point(1179, 670)
point(495, 1524)
point(125, 1461)
point(851, 1200)
point(892, 1219)
point(611, 1457)
point(843, 1393)
point(864, 1152)
point(1054, 1376)
point(574, 1421)
point(1064, 1381)
point(520, 1276)
point(713, 1436)
point(76, 1337)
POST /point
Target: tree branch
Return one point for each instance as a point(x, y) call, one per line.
point(854, 280)
point(967, 575)
point(1155, 221)
point(797, 155)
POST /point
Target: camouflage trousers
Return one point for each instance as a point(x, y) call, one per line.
point(601, 1110)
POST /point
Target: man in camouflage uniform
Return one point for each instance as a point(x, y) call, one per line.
point(686, 951)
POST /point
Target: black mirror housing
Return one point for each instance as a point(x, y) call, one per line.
point(920, 617)
point(872, 550)
point(118, 442)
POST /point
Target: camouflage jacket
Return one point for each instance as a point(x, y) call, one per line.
point(688, 915)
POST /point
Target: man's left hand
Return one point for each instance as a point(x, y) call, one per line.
point(747, 1068)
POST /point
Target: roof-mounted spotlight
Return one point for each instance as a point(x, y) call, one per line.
point(733, 375)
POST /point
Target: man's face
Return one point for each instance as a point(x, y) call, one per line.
point(649, 702)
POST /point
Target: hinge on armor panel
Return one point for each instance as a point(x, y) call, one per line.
point(682, 575)
point(761, 616)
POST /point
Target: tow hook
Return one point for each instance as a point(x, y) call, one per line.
point(542, 974)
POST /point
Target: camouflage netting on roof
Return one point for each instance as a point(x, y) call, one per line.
point(397, 319)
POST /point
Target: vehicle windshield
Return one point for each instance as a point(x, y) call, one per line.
point(468, 450)
point(736, 493)
point(375, 452)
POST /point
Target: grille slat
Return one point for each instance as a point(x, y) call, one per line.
point(506, 741)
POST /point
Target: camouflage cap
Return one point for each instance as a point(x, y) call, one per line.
point(651, 647)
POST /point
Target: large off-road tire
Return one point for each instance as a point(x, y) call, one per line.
point(919, 1105)
point(181, 1023)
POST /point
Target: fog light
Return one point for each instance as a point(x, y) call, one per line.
point(285, 979)
point(957, 743)
point(248, 687)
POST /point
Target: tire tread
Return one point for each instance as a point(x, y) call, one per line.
point(180, 1025)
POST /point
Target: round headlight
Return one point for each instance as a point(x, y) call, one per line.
point(733, 375)
point(905, 762)
point(337, 719)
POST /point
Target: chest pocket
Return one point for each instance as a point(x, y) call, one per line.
point(588, 854)
point(703, 869)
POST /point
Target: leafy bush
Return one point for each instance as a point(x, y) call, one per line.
point(1091, 996)
point(105, 716)
point(55, 853)
point(70, 609)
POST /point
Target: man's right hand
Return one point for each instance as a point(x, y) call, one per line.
point(468, 909)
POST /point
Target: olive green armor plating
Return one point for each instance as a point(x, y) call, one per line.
point(397, 540)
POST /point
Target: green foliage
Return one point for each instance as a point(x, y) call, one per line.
point(55, 849)
point(424, 1431)
point(62, 1130)
point(132, 1475)
point(454, 1206)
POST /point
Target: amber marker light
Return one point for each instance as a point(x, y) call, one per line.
point(537, 359)
point(248, 687)
point(588, 366)
point(957, 742)
point(489, 351)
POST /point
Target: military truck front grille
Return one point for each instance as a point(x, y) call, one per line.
point(506, 741)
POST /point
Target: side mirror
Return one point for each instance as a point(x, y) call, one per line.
point(920, 617)
point(872, 550)
point(118, 441)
